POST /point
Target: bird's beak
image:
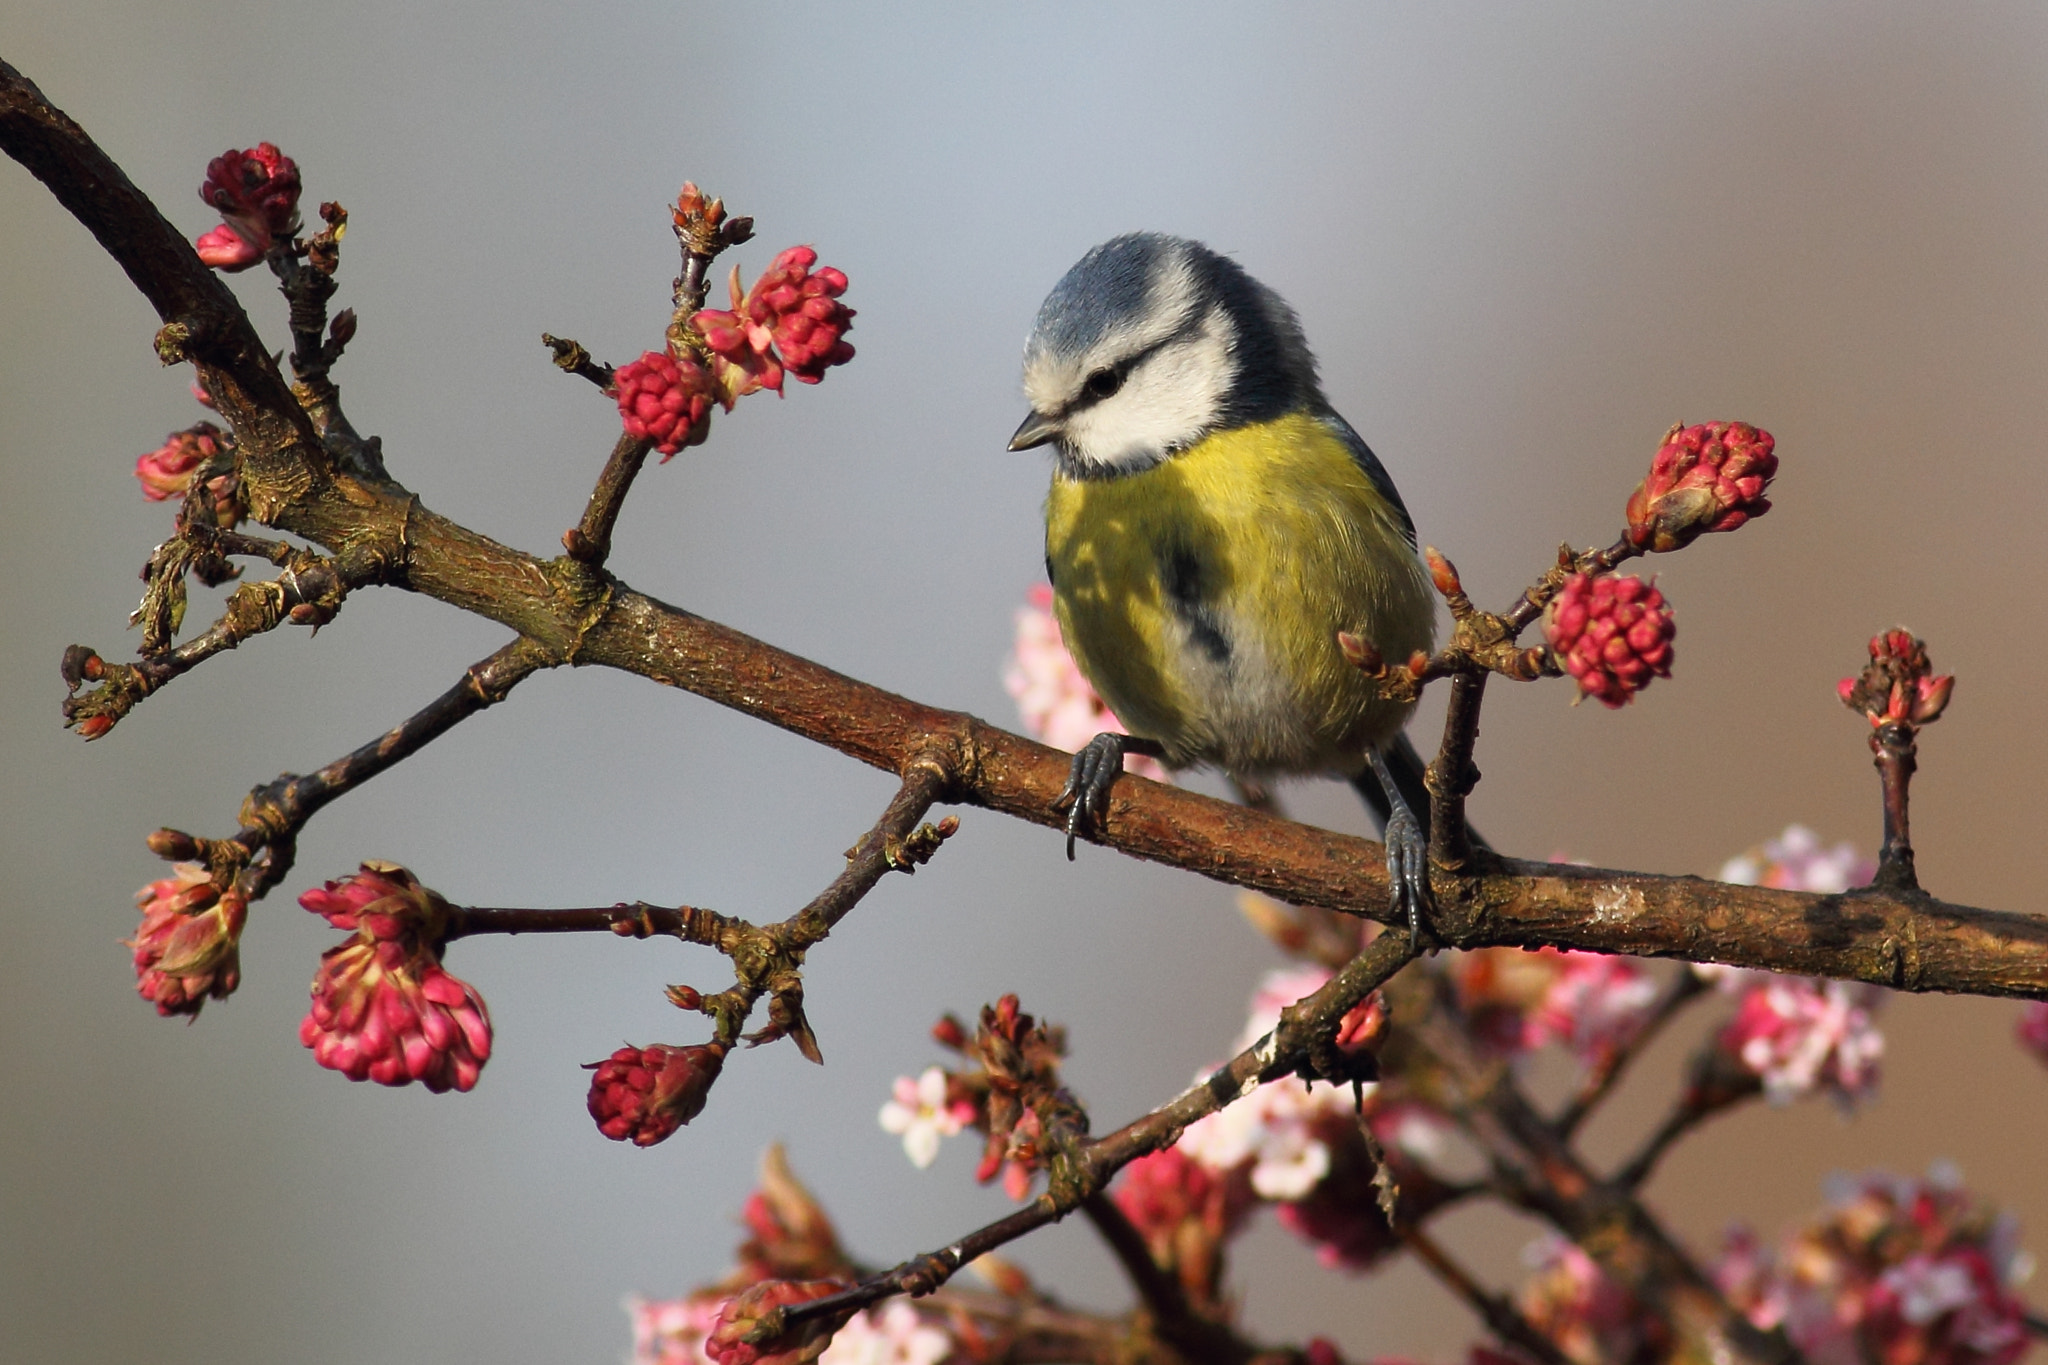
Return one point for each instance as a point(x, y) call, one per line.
point(1034, 431)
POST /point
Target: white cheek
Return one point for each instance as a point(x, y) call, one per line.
point(1166, 403)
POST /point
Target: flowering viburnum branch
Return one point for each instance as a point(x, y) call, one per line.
point(574, 615)
point(1285, 1051)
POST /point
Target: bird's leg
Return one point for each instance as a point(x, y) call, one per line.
point(1096, 768)
point(1407, 852)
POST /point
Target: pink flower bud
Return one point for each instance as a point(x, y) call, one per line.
point(226, 249)
point(795, 1346)
point(790, 321)
point(643, 1095)
point(257, 191)
point(1704, 478)
point(166, 472)
point(384, 1009)
point(188, 949)
point(1799, 1036)
point(1612, 633)
point(665, 401)
point(1899, 686)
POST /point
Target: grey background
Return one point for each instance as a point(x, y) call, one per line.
point(1524, 239)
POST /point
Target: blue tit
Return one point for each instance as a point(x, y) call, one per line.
point(1213, 523)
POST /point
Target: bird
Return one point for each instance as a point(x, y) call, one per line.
point(1212, 525)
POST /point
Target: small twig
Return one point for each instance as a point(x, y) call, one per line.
point(1501, 1317)
point(1687, 987)
point(635, 920)
point(1282, 1052)
point(896, 843)
point(590, 540)
point(1595, 562)
point(572, 358)
point(1895, 754)
point(1200, 1340)
point(1453, 775)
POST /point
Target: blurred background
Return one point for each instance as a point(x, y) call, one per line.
point(1524, 240)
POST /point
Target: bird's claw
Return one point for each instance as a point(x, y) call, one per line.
point(1408, 871)
point(1085, 798)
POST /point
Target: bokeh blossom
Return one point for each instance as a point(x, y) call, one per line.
point(921, 1113)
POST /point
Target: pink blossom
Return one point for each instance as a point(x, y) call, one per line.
point(257, 194)
point(790, 321)
point(1590, 1316)
point(1799, 1035)
point(1057, 703)
point(920, 1113)
point(2033, 1029)
point(188, 948)
point(384, 1009)
point(672, 1331)
point(643, 1094)
point(797, 1345)
point(894, 1333)
point(1594, 1005)
point(166, 472)
point(1796, 861)
point(1905, 1272)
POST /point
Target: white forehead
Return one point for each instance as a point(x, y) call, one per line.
point(1124, 297)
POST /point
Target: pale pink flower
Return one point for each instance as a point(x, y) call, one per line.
point(1591, 1317)
point(893, 1334)
point(1594, 1005)
point(2032, 1029)
point(672, 1331)
point(1796, 861)
point(1799, 1035)
point(920, 1114)
point(1057, 703)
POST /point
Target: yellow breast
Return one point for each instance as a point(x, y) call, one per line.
point(1202, 597)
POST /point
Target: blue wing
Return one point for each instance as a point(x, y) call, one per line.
point(1374, 470)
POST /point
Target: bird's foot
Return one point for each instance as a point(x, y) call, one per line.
point(1085, 798)
point(1408, 871)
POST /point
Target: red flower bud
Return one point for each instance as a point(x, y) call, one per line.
point(1705, 478)
point(166, 472)
point(1613, 634)
point(645, 1094)
point(257, 191)
point(188, 949)
point(797, 1345)
point(665, 401)
point(384, 1008)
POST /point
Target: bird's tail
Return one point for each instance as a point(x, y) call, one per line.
point(1406, 766)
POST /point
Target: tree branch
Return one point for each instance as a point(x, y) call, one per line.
point(1200, 1340)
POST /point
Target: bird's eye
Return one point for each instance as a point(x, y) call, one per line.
point(1103, 383)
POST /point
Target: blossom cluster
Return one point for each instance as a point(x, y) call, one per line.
point(257, 194)
point(1903, 1271)
point(188, 948)
point(1612, 633)
point(792, 1255)
point(790, 322)
point(1517, 1001)
point(1703, 478)
point(384, 1008)
point(1799, 1036)
point(643, 1094)
point(1055, 699)
point(167, 471)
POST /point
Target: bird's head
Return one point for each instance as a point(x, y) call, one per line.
point(1149, 344)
